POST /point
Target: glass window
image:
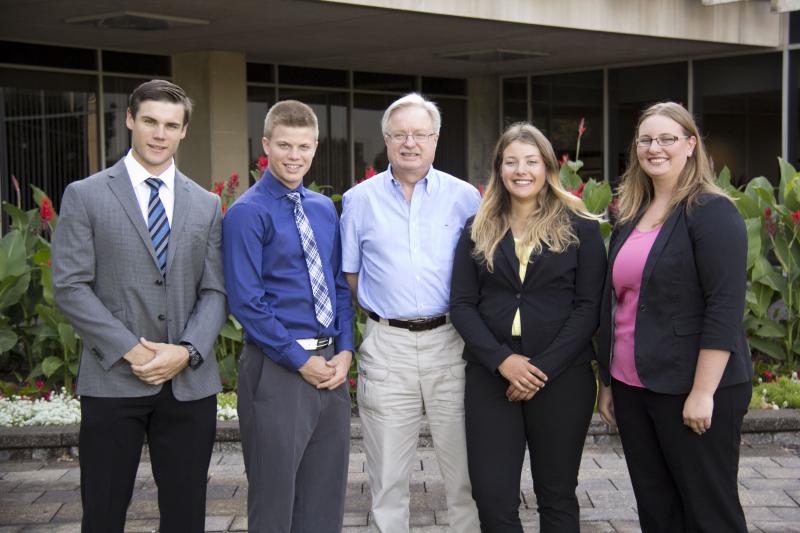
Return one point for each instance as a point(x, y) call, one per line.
point(316, 77)
point(794, 109)
point(368, 145)
point(559, 103)
point(451, 156)
point(794, 27)
point(450, 86)
point(384, 82)
point(260, 73)
point(259, 100)
point(630, 91)
point(738, 105)
point(48, 125)
point(331, 162)
point(153, 65)
point(515, 100)
point(47, 56)
point(116, 92)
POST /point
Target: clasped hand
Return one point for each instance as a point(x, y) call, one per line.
point(327, 374)
point(157, 362)
point(525, 379)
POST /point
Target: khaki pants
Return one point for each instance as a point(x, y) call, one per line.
point(402, 373)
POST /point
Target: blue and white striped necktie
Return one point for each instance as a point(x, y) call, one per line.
point(157, 223)
point(319, 288)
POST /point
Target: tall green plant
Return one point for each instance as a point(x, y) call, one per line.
point(772, 218)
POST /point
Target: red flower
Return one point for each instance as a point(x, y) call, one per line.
point(579, 191)
point(218, 187)
point(262, 163)
point(771, 227)
point(564, 159)
point(224, 209)
point(769, 376)
point(481, 189)
point(49, 263)
point(39, 384)
point(582, 127)
point(768, 213)
point(351, 382)
point(233, 183)
point(796, 217)
point(46, 211)
point(369, 172)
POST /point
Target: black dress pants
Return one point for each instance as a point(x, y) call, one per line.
point(683, 482)
point(553, 424)
point(180, 437)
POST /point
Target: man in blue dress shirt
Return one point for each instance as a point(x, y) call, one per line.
point(282, 255)
point(399, 232)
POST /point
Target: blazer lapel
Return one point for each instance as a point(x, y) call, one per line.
point(180, 212)
point(509, 267)
point(658, 245)
point(120, 184)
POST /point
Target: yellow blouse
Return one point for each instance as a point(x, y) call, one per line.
point(523, 254)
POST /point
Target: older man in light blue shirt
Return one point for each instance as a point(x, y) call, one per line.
point(399, 231)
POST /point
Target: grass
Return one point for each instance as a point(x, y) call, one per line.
point(782, 393)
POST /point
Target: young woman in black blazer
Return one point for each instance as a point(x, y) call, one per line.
point(675, 365)
point(527, 279)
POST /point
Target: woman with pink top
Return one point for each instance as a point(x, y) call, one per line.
point(673, 357)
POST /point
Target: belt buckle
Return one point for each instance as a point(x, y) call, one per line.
point(323, 342)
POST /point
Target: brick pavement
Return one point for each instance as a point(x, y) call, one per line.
point(43, 496)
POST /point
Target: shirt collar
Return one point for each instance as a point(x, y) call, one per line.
point(430, 180)
point(276, 189)
point(138, 173)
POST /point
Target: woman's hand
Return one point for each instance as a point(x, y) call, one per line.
point(605, 405)
point(522, 374)
point(697, 410)
point(515, 395)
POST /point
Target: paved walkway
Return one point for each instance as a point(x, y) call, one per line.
point(45, 497)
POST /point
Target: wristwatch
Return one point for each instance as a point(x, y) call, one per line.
point(195, 359)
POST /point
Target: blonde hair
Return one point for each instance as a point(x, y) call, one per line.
point(697, 177)
point(548, 225)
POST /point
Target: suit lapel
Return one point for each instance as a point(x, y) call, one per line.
point(180, 212)
point(510, 265)
point(658, 245)
point(120, 184)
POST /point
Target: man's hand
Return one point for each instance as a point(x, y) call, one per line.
point(316, 370)
point(521, 373)
point(168, 361)
point(139, 355)
point(340, 363)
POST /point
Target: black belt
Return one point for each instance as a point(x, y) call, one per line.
point(418, 324)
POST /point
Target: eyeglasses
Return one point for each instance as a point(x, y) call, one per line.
point(400, 138)
point(662, 140)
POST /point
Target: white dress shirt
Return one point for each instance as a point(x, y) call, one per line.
point(138, 174)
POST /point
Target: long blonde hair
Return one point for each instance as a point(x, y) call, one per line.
point(548, 225)
point(697, 177)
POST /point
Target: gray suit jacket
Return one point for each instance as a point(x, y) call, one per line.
point(108, 285)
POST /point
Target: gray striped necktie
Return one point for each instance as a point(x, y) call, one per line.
point(319, 288)
point(157, 223)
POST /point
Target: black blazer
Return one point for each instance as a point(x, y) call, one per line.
point(559, 301)
point(692, 297)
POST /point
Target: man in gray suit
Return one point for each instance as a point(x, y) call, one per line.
point(137, 270)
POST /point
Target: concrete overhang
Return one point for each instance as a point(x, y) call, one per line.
point(412, 36)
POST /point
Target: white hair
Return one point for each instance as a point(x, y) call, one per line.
point(412, 99)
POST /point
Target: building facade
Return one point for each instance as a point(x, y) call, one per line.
point(66, 68)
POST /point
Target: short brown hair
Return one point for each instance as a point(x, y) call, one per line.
point(293, 114)
point(160, 91)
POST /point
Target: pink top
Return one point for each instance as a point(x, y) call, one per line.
point(627, 279)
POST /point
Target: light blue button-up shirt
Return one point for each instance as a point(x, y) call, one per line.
point(403, 251)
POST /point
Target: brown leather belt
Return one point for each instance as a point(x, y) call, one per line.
point(419, 324)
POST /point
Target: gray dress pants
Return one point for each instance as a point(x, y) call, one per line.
point(296, 442)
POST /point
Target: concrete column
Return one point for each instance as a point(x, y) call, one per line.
point(482, 125)
point(216, 143)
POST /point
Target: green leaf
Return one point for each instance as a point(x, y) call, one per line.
point(760, 188)
point(768, 347)
point(605, 231)
point(788, 174)
point(761, 268)
point(748, 207)
point(51, 364)
point(231, 330)
point(753, 226)
point(67, 336)
point(13, 254)
point(13, 288)
point(767, 328)
point(8, 339)
point(759, 298)
point(19, 219)
point(570, 179)
point(597, 196)
point(724, 179)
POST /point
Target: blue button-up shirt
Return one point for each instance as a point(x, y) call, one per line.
point(266, 277)
point(403, 252)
